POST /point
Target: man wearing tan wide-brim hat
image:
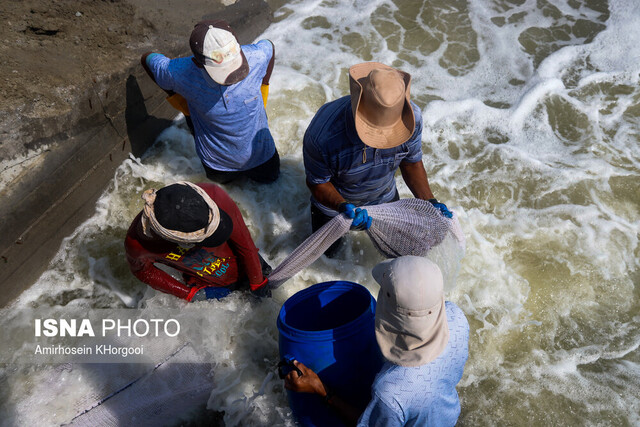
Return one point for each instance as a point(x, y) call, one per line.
point(355, 144)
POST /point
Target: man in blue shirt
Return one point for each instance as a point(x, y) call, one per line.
point(425, 343)
point(222, 85)
point(355, 144)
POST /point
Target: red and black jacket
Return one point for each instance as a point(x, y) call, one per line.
point(201, 266)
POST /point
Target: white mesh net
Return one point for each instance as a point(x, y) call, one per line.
point(405, 227)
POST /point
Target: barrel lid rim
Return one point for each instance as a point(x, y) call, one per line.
point(320, 335)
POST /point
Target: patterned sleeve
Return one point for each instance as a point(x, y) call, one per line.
point(379, 414)
point(271, 61)
point(159, 66)
point(266, 46)
point(259, 56)
point(415, 142)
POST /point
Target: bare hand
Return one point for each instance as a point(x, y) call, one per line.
point(308, 382)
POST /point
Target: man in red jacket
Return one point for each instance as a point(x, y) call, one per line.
point(199, 231)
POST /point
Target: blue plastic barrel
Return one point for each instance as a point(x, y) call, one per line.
point(330, 327)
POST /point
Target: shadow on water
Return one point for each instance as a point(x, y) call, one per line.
point(168, 385)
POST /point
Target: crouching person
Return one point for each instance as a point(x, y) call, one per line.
point(199, 231)
point(425, 343)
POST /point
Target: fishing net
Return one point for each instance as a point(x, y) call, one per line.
point(405, 227)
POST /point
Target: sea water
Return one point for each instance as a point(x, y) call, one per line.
point(531, 114)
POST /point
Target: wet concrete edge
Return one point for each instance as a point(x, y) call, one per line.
point(124, 112)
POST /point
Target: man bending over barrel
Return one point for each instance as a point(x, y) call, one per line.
point(199, 231)
point(424, 341)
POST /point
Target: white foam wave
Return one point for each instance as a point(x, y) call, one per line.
point(539, 156)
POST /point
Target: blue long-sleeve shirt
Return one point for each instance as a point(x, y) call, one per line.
point(424, 395)
point(231, 128)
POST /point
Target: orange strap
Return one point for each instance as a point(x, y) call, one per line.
point(178, 102)
point(264, 90)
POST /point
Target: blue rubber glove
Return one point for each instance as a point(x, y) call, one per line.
point(349, 209)
point(442, 207)
point(211, 292)
point(361, 218)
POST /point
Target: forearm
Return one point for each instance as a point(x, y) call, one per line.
point(161, 281)
point(145, 65)
point(249, 261)
point(267, 76)
point(309, 382)
point(347, 412)
point(415, 176)
point(326, 194)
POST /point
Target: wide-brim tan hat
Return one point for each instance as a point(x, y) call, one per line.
point(411, 321)
point(380, 99)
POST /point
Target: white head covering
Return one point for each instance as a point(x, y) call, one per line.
point(411, 322)
point(149, 221)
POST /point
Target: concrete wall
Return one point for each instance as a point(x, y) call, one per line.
point(114, 113)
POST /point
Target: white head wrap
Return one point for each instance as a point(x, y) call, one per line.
point(149, 221)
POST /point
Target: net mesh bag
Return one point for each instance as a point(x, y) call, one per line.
point(405, 227)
